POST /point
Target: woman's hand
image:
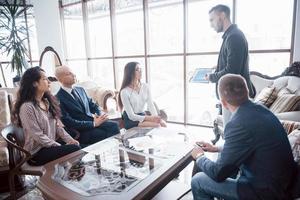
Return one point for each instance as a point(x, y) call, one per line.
point(163, 123)
point(155, 119)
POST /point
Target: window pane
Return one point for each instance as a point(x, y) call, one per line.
point(266, 30)
point(8, 74)
point(102, 72)
point(32, 34)
point(99, 28)
point(166, 76)
point(201, 96)
point(202, 37)
point(165, 26)
point(271, 64)
point(79, 68)
point(120, 64)
point(65, 2)
point(129, 27)
point(74, 36)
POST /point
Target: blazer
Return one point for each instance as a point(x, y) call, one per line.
point(256, 144)
point(77, 115)
point(233, 58)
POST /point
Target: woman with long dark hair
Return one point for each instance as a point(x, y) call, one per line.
point(133, 97)
point(38, 113)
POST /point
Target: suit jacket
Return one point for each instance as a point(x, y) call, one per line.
point(233, 57)
point(76, 114)
point(257, 144)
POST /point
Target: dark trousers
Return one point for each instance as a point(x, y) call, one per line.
point(48, 154)
point(128, 123)
point(105, 130)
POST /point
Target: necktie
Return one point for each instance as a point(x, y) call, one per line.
point(76, 97)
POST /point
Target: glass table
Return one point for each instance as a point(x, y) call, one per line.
point(133, 165)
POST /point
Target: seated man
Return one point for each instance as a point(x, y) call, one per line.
point(255, 143)
point(80, 112)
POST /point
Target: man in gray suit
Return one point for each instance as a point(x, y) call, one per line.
point(256, 144)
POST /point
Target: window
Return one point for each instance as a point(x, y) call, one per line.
point(74, 33)
point(166, 78)
point(165, 27)
point(129, 28)
point(201, 37)
point(99, 28)
point(102, 72)
point(30, 43)
point(268, 31)
point(170, 39)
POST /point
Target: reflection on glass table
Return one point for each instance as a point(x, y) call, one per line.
point(116, 165)
point(106, 168)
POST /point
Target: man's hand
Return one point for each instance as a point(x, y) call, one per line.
point(207, 147)
point(206, 77)
point(197, 152)
point(73, 142)
point(98, 120)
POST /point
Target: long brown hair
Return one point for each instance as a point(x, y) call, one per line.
point(27, 93)
point(128, 77)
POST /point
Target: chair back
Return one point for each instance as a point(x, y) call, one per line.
point(15, 139)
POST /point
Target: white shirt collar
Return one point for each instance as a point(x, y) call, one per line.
point(68, 90)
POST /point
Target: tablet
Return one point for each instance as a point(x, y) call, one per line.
point(199, 75)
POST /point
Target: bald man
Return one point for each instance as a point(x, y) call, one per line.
point(80, 112)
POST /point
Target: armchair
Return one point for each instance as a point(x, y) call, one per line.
point(18, 157)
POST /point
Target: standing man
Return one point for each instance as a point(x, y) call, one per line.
point(233, 56)
point(255, 143)
point(80, 112)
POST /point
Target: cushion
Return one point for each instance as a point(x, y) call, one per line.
point(285, 103)
point(290, 126)
point(267, 96)
point(294, 139)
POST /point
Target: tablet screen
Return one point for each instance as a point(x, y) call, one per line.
point(199, 75)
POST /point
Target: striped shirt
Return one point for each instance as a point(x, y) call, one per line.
point(40, 128)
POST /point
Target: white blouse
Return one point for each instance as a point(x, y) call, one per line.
point(134, 102)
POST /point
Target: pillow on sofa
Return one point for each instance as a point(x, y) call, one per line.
point(267, 96)
point(290, 126)
point(294, 139)
point(285, 103)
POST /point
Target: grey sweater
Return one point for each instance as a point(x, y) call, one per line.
point(40, 128)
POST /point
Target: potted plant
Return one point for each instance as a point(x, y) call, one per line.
point(13, 34)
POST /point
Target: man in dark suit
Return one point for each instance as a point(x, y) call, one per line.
point(80, 112)
point(233, 56)
point(255, 143)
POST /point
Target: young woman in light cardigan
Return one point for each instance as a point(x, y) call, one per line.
point(37, 112)
point(133, 97)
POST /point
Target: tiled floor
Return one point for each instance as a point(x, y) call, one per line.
point(194, 134)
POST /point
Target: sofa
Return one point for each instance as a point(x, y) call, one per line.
point(281, 94)
point(286, 102)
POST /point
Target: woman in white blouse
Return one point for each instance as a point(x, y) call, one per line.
point(133, 97)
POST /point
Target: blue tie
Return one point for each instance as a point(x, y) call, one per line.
point(77, 98)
